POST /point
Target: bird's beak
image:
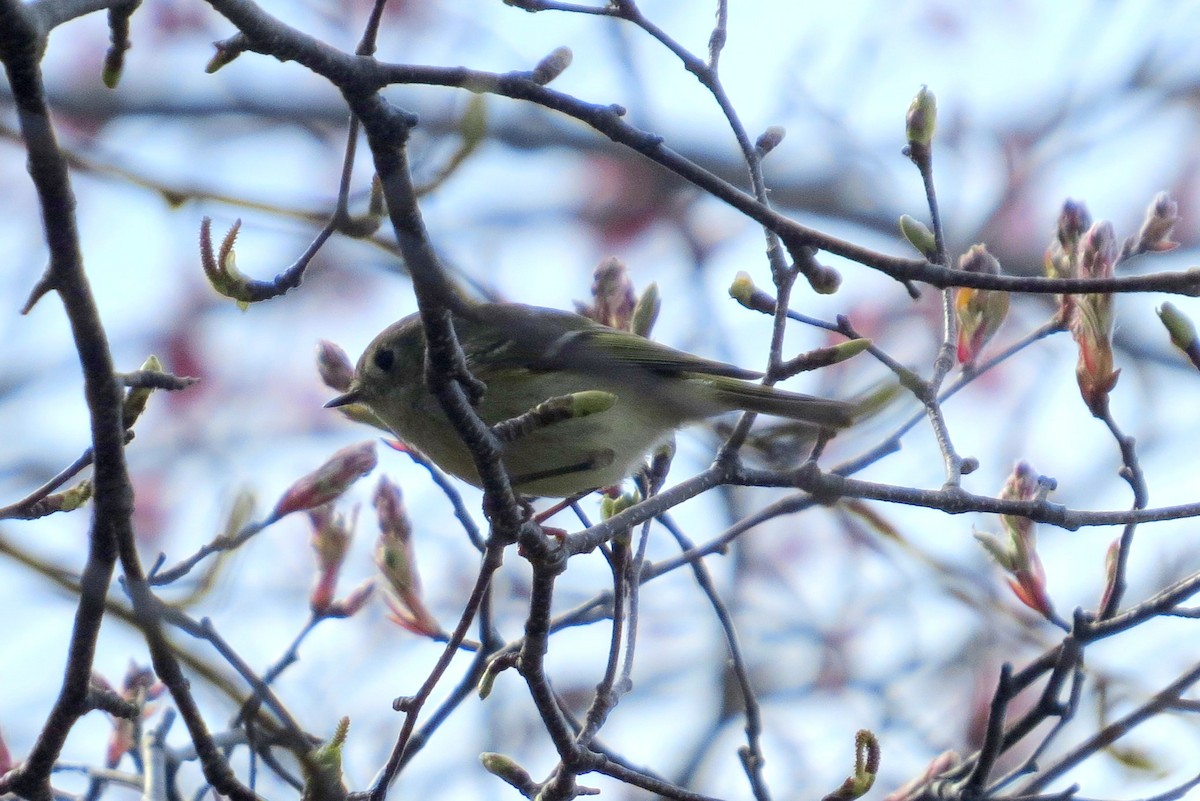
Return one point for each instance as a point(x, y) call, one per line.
point(346, 398)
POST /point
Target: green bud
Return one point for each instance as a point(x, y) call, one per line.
point(486, 683)
point(849, 349)
point(553, 411)
point(1180, 328)
point(66, 501)
point(591, 401)
point(323, 768)
point(227, 51)
point(742, 289)
point(495, 666)
point(76, 496)
point(1000, 550)
point(609, 506)
point(505, 768)
point(919, 236)
point(921, 121)
point(645, 311)
point(823, 357)
point(136, 398)
point(746, 293)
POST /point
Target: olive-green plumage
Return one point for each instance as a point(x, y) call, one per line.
point(527, 355)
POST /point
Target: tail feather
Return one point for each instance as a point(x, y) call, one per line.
point(792, 405)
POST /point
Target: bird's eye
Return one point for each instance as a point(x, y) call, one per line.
point(385, 358)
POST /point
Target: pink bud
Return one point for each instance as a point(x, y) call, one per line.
point(353, 602)
point(1155, 234)
point(1072, 222)
point(389, 506)
point(1017, 554)
point(334, 366)
point(1092, 320)
point(328, 481)
point(120, 740)
point(613, 298)
point(980, 312)
point(396, 561)
point(330, 541)
point(410, 614)
point(1062, 256)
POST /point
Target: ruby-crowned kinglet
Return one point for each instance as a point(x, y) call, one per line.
point(527, 355)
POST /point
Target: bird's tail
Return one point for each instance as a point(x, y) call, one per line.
point(750, 397)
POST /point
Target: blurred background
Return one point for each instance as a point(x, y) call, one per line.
point(899, 627)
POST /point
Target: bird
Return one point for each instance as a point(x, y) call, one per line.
point(641, 392)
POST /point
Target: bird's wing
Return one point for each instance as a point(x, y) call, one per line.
point(548, 339)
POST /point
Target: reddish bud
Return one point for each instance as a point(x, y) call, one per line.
point(139, 686)
point(1156, 230)
point(1017, 552)
point(330, 541)
point(1030, 588)
point(411, 615)
point(396, 561)
point(1073, 221)
point(1092, 320)
point(979, 311)
point(120, 742)
point(328, 481)
point(354, 601)
point(140, 683)
point(389, 506)
point(1062, 256)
